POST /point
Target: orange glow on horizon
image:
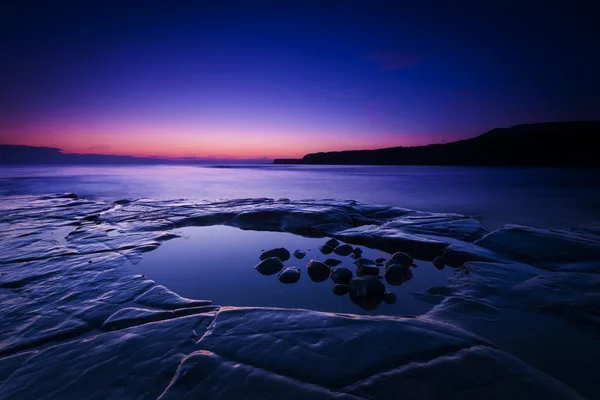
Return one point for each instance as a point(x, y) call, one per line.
point(186, 141)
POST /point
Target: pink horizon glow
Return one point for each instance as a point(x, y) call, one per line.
point(171, 141)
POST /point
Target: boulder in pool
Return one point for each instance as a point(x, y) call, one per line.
point(333, 262)
point(343, 250)
point(380, 261)
point(269, 266)
point(325, 249)
point(389, 297)
point(289, 275)
point(341, 275)
point(317, 271)
point(400, 258)
point(281, 253)
point(439, 263)
point(357, 252)
point(340, 289)
point(333, 243)
point(364, 266)
point(299, 254)
point(397, 274)
point(367, 292)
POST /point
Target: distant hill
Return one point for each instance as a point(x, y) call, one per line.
point(17, 154)
point(543, 144)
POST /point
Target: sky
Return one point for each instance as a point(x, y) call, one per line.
point(257, 79)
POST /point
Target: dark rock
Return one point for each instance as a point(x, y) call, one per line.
point(341, 275)
point(389, 297)
point(365, 266)
point(400, 258)
point(269, 266)
point(281, 253)
point(357, 251)
point(380, 261)
point(397, 274)
point(326, 249)
point(289, 275)
point(343, 250)
point(439, 263)
point(332, 262)
point(92, 217)
point(333, 243)
point(299, 254)
point(340, 289)
point(367, 292)
point(317, 271)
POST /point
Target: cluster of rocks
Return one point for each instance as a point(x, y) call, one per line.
point(365, 290)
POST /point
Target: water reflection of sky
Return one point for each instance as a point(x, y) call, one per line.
point(217, 263)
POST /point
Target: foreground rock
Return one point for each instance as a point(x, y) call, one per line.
point(367, 292)
point(299, 254)
point(341, 275)
point(400, 258)
point(289, 275)
point(364, 266)
point(317, 271)
point(269, 266)
point(332, 262)
point(343, 250)
point(326, 249)
point(397, 274)
point(70, 303)
point(281, 253)
point(340, 289)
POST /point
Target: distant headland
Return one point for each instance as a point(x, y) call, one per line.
point(551, 144)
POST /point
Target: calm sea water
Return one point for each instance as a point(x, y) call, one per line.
point(553, 198)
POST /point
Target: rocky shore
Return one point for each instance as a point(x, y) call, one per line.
point(77, 322)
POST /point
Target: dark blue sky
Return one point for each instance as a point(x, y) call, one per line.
point(254, 79)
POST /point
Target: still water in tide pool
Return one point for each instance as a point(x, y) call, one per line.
point(217, 263)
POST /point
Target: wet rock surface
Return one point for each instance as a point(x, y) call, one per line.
point(325, 249)
point(332, 262)
point(289, 275)
point(341, 275)
point(68, 302)
point(439, 262)
point(332, 243)
point(400, 258)
point(367, 292)
point(364, 266)
point(343, 250)
point(281, 253)
point(340, 289)
point(317, 271)
point(269, 266)
point(396, 274)
point(299, 254)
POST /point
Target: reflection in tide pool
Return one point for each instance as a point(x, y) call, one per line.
point(217, 263)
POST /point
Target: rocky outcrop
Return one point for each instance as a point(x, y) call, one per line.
point(68, 303)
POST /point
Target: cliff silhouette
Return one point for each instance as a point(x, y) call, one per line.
point(552, 144)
